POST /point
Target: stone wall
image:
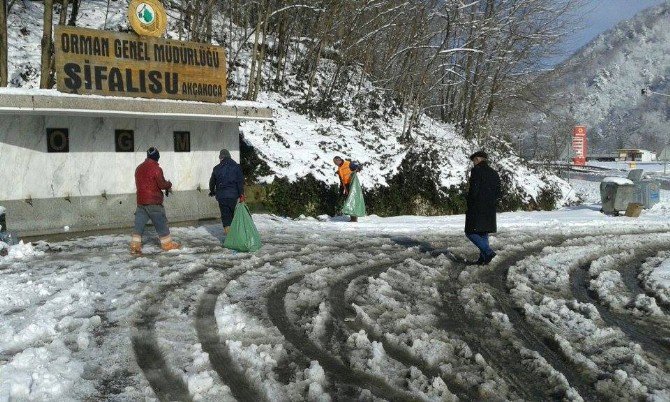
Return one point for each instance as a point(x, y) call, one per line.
point(92, 186)
point(57, 215)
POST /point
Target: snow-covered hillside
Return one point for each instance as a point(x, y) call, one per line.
point(601, 86)
point(362, 124)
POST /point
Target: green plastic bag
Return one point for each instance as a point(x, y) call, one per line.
point(355, 204)
point(243, 235)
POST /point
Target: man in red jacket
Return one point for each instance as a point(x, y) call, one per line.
point(150, 184)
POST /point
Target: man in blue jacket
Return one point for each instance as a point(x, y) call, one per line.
point(227, 184)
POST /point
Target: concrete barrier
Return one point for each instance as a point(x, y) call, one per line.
point(57, 215)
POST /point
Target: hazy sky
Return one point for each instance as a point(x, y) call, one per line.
point(599, 16)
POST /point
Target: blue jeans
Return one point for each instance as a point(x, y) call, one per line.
point(155, 213)
point(481, 240)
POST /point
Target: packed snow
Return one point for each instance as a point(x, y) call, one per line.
point(655, 277)
point(329, 310)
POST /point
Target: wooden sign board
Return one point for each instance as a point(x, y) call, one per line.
point(90, 61)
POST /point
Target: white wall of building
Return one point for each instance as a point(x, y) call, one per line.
point(648, 156)
point(92, 166)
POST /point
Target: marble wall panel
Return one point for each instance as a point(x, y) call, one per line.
point(93, 167)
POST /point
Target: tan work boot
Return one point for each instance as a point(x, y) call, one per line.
point(167, 244)
point(136, 245)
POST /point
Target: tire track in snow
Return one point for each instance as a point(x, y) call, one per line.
point(151, 360)
point(342, 308)
point(332, 365)
point(508, 362)
point(635, 331)
point(208, 333)
point(527, 333)
point(507, 365)
point(525, 330)
point(166, 384)
point(629, 275)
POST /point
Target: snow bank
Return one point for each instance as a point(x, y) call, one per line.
point(19, 251)
point(655, 276)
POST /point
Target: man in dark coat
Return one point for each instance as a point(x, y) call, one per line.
point(227, 184)
point(150, 183)
point(483, 195)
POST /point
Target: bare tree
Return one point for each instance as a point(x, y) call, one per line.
point(62, 18)
point(47, 46)
point(3, 43)
point(75, 12)
point(455, 60)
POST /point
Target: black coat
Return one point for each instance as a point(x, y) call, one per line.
point(483, 195)
point(227, 180)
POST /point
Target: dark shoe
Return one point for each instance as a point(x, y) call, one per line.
point(488, 259)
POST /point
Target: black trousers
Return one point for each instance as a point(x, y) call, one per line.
point(227, 208)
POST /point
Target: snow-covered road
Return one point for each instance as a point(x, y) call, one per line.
point(575, 306)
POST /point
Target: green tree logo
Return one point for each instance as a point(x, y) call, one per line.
point(146, 14)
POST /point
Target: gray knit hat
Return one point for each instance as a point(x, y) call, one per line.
point(224, 154)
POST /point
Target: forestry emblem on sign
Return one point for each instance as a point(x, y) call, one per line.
point(144, 64)
point(147, 17)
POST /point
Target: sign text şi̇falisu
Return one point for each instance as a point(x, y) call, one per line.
point(90, 61)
